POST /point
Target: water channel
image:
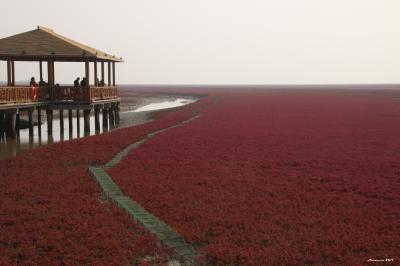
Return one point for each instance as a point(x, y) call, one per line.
point(12, 147)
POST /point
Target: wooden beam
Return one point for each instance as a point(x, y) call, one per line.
point(95, 74)
point(113, 66)
point(50, 78)
point(86, 121)
point(8, 73)
point(41, 70)
point(105, 118)
point(102, 71)
point(53, 73)
point(97, 120)
point(109, 73)
point(2, 127)
point(12, 73)
point(49, 73)
point(87, 73)
point(70, 126)
point(111, 116)
point(78, 124)
point(61, 122)
point(17, 123)
point(39, 118)
point(49, 113)
point(12, 117)
point(30, 119)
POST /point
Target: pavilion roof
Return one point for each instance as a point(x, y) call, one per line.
point(44, 44)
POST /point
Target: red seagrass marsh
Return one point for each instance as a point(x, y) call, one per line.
point(260, 177)
point(278, 177)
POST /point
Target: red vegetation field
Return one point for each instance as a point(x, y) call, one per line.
point(52, 211)
point(277, 177)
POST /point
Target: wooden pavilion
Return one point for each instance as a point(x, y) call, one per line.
point(44, 46)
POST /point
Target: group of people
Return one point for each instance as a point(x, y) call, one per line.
point(34, 84)
point(77, 83)
point(83, 82)
point(66, 92)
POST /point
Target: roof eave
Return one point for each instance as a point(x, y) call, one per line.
point(68, 58)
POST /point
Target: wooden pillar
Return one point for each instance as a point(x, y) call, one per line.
point(111, 116)
point(49, 73)
point(61, 121)
point(87, 73)
point(2, 128)
point(30, 121)
point(49, 113)
point(17, 123)
point(12, 125)
point(86, 121)
point(102, 71)
point(109, 73)
point(95, 74)
point(12, 73)
point(8, 73)
point(97, 119)
point(78, 123)
point(50, 78)
point(39, 119)
point(113, 67)
point(116, 115)
point(70, 125)
point(41, 70)
point(53, 79)
point(105, 117)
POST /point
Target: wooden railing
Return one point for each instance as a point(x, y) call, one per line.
point(103, 93)
point(84, 94)
point(23, 94)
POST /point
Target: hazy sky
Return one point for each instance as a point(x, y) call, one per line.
point(222, 41)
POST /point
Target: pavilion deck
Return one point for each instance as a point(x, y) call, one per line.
point(43, 45)
point(13, 96)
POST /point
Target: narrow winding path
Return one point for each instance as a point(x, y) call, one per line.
point(166, 234)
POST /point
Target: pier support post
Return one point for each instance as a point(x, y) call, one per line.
point(78, 124)
point(61, 122)
point(86, 120)
point(116, 115)
point(70, 126)
point(17, 123)
point(97, 119)
point(105, 117)
point(2, 126)
point(111, 115)
point(30, 121)
point(49, 113)
point(39, 120)
point(11, 132)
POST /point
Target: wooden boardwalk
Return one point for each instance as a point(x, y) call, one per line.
point(166, 234)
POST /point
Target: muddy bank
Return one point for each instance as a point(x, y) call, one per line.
point(130, 101)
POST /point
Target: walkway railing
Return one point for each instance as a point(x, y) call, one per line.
point(24, 94)
point(84, 94)
point(21, 94)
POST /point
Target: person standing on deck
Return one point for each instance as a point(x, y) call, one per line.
point(33, 82)
point(76, 82)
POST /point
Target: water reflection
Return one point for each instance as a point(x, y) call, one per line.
point(163, 105)
point(11, 147)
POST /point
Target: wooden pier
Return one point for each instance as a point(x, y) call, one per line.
point(44, 46)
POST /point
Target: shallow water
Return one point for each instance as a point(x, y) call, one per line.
point(163, 105)
point(12, 147)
